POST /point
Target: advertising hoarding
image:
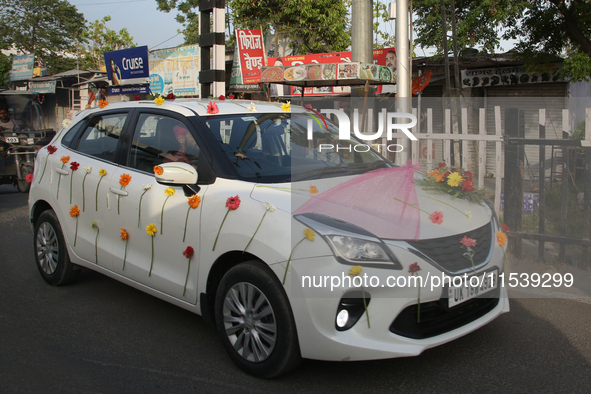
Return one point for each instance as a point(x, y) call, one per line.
point(175, 70)
point(128, 66)
point(251, 53)
point(22, 67)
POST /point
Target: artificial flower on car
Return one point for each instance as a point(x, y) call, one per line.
point(456, 182)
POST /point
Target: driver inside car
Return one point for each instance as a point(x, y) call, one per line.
point(188, 147)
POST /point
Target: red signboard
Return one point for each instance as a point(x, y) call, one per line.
point(383, 57)
point(250, 50)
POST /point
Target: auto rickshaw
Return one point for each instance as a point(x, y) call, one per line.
point(22, 133)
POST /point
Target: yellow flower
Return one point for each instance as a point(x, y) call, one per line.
point(169, 191)
point(159, 100)
point(454, 179)
point(501, 238)
point(355, 271)
point(102, 172)
point(309, 234)
point(313, 189)
point(93, 225)
point(151, 229)
point(286, 106)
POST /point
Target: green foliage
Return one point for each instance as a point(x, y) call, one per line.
point(553, 27)
point(5, 67)
point(380, 14)
point(97, 39)
point(46, 28)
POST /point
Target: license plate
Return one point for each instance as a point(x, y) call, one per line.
point(472, 287)
point(12, 140)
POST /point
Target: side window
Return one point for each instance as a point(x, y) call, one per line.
point(70, 134)
point(161, 139)
point(101, 136)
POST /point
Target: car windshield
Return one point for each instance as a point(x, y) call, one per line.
point(274, 147)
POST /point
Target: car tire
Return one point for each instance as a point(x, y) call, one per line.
point(51, 253)
point(264, 345)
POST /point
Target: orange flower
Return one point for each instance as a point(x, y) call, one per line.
point(74, 211)
point(103, 103)
point(501, 238)
point(158, 170)
point(194, 201)
point(435, 172)
point(313, 190)
point(124, 234)
point(65, 159)
point(440, 178)
point(125, 179)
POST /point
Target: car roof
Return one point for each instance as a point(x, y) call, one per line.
point(190, 107)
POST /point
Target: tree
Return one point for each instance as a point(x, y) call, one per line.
point(97, 39)
point(5, 67)
point(382, 39)
point(554, 27)
point(46, 28)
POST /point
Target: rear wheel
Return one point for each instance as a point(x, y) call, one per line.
point(255, 322)
point(51, 253)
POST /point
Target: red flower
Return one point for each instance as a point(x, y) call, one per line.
point(453, 170)
point(468, 174)
point(505, 228)
point(51, 149)
point(222, 97)
point(308, 106)
point(188, 252)
point(170, 96)
point(467, 242)
point(74, 166)
point(231, 97)
point(233, 203)
point(136, 98)
point(29, 178)
point(436, 217)
point(441, 165)
point(414, 267)
point(446, 174)
point(212, 108)
point(468, 185)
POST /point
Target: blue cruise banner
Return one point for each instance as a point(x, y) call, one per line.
point(22, 67)
point(128, 66)
point(175, 70)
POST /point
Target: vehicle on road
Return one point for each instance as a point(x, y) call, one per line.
point(21, 135)
point(228, 209)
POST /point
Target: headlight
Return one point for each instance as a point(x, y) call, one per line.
point(357, 250)
point(351, 244)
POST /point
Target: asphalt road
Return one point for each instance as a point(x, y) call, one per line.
point(100, 336)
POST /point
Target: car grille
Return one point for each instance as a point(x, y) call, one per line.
point(448, 252)
point(437, 319)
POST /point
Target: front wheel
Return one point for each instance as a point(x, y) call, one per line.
point(51, 253)
point(255, 322)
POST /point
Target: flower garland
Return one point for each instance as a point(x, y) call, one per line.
point(309, 235)
point(124, 180)
point(193, 202)
point(413, 269)
point(87, 171)
point(51, 150)
point(169, 192)
point(139, 211)
point(124, 237)
point(188, 253)
point(64, 160)
point(456, 182)
point(75, 212)
point(151, 230)
point(268, 208)
point(74, 167)
point(232, 203)
point(102, 173)
point(356, 271)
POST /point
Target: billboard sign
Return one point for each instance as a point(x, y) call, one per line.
point(175, 70)
point(22, 67)
point(128, 66)
point(251, 53)
point(42, 87)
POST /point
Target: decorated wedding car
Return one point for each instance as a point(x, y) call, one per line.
point(227, 208)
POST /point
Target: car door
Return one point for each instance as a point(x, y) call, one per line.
point(80, 184)
point(156, 259)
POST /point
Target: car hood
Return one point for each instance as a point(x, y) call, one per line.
point(390, 210)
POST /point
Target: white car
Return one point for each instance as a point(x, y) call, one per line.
point(228, 209)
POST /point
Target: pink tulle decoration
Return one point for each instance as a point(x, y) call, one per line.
point(371, 201)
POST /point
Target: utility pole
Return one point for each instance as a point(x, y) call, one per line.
point(403, 70)
point(362, 31)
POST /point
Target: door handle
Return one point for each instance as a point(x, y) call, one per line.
point(61, 171)
point(118, 191)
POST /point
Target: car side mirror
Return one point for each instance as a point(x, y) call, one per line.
point(176, 174)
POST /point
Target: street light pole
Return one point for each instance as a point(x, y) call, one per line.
point(403, 70)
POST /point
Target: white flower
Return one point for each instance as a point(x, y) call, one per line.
point(469, 215)
point(147, 187)
point(66, 123)
point(270, 207)
point(252, 108)
point(88, 169)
